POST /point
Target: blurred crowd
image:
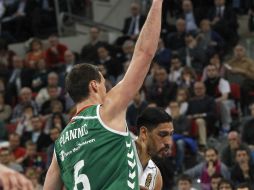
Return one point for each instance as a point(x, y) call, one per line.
point(201, 75)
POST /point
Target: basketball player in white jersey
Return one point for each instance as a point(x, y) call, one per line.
point(155, 129)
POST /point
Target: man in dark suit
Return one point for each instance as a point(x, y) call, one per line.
point(224, 21)
point(37, 135)
point(134, 23)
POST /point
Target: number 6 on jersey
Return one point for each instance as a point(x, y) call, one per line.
point(82, 178)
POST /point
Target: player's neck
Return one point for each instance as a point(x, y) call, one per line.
point(143, 155)
point(88, 102)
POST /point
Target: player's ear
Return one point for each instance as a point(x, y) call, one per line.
point(93, 86)
point(143, 133)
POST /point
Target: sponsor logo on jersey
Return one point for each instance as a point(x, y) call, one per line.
point(148, 180)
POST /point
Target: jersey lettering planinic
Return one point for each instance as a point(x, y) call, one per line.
point(92, 156)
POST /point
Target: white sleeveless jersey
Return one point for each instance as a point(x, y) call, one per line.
point(149, 175)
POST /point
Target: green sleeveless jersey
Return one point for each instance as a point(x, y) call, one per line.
point(92, 156)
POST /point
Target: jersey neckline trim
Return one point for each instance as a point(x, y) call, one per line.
point(82, 109)
point(108, 128)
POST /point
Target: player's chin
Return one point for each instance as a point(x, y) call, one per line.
point(164, 153)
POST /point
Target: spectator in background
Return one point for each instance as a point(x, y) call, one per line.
point(5, 109)
point(34, 175)
point(134, 23)
point(241, 65)
point(162, 55)
point(190, 16)
point(243, 170)
point(25, 99)
point(176, 69)
point(43, 94)
point(54, 55)
point(224, 21)
point(7, 160)
point(228, 154)
point(24, 122)
point(203, 115)
point(37, 135)
point(182, 97)
point(184, 182)
point(15, 148)
point(215, 180)
point(127, 51)
point(225, 184)
point(248, 130)
point(161, 91)
point(215, 59)
point(175, 40)
point(70, 60)
point(114, 68)
point(208, 39)
point(109, 80)
point(54, 134)
point(182, 136)
point(89, 51)
point(134, 109)
point(19, 77)
point(192, 55)
point(39, 79)
point(243, 186)
point(188, 78)
point(35, 53)
point(219, 88)
point(206, 169)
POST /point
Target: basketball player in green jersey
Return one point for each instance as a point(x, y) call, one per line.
point(95, 151)
point(155, 130)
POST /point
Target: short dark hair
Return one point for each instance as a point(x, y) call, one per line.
point(77, 81)
point(243, 185)
point(184, 177)
point(151, 117)
point(225, 181)
point(211, 148)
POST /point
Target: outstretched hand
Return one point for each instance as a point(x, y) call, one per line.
point(12, 180)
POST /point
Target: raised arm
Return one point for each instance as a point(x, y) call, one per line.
point(119, 97)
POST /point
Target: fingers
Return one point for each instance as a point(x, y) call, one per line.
point(5, 182)
point(24, 183)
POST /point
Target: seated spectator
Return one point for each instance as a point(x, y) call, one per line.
point(202, 115)
point(25, 99)
point(215, 180)
point(109, 80)
point(187, 79)
point(219, 88)
point(243, 186)
point(241, 65)
point(53, 96)
point(251, 19)
point(224, 21)
point(192, 54)
point(5, 109)
point(70, 59)
point(208, 39)
point(32, 158)
point(57, 110)
point(163, 55)
point(19, 77)
point(89, 51)
point(182, 136)
point(39, 79)
point(248, 130)
point(216, 60)
point(54, 134)
point(162, 91)
point(37, 135)
point(54, 55)
point(43, 94)
point(35, 53)
point(243, 170)
point(176, 69)
point(190, 15)
point(184, 182)
point(175, 40)
point(228, 154)
point(7, 160)
point(134, 109)
point(127, 51)
point(206, 169)
point(225, 184)
point(15, 146)
point(34, 175)
point(134, 23)
point(114, 67)
point(182, 97)
point(24, 123)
